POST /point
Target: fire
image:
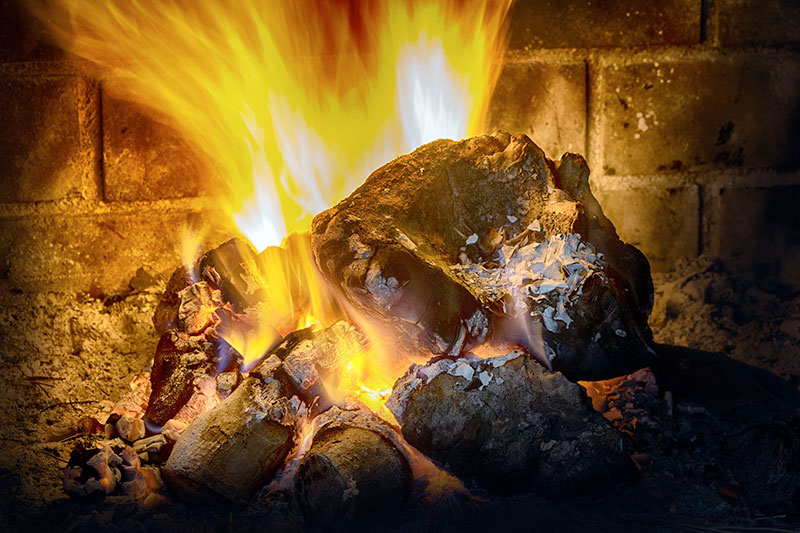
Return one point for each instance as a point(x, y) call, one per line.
point(292, 104)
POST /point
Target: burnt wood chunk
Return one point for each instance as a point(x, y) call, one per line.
point(312, 363)
point(485, 239)
point(508, 424)
point(180, 362)
point(224, 268)
point(354, 470)
point(230, 451)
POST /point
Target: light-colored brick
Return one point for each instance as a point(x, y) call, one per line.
point(94, 252)
point(545, 101)
point(583, 24)
point(43, 149)
point(754, 227)
point(662, 221)
point(701, 114)
point(144, 159)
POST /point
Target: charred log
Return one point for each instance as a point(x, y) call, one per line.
point(227, 453)
point(508, 424)
point(179, 363)
point(354, 470)
point(460, 242)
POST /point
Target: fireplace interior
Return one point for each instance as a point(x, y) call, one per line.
point(580, 313)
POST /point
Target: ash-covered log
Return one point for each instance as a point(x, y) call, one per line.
point(484, 239)
point(354, 470)
point(508, 424)
point(230, 451)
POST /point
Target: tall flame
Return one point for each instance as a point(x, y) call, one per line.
point(292, 104)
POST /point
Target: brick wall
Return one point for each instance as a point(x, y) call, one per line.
point(688, 112)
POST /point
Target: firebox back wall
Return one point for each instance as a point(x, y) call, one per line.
point(688, 112)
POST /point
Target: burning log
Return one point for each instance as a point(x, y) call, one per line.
point(509, 424)
point(485, 239)
point(354, 469)
point(233, 449)
point(179, 363)
point(223, 267)
point(311, 358)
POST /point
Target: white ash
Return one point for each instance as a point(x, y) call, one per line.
point(543, 279)
point(467, 367)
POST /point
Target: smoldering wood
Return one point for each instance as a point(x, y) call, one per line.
point(508, 424)
point(309, 362)
point(230, 451)
point(179, 362)
point(223, 266)
point(412, 245)
point(354, 470)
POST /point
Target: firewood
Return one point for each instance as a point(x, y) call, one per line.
point(180, 360)
point(460, 243)
point(228, 452)
point(354, 470)
point(223, 266)
point(309, 362)
point(509, 424)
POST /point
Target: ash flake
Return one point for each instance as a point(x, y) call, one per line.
point(472, 239)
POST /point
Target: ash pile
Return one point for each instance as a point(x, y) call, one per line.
point(496, 269)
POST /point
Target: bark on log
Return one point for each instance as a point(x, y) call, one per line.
point(508, 424)
point(426, 242)
point(230, 451)
point(354, 470)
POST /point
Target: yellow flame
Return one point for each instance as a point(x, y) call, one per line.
point(292, 104)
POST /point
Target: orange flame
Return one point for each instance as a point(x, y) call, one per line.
point(292, 104)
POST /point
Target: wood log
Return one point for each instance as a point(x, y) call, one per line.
point(230, 451)
point(180, 361)
point(354, 470)
point(509, 425)
point(485, 239)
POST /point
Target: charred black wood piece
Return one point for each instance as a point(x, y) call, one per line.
point(179, 362)
point(354, 470)
point(508, 424)
point(484, 239)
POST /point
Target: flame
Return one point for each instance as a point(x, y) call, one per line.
point(292, 104)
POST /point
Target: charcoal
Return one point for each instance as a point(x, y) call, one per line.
point(354, 471)
point(509, 425)
point(230, 451)
point(486, 240)
point(180, 361)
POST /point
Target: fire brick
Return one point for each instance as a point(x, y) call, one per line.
point(662, 221)
point(756, 227)
point(92, 252)
point(758, 22)
point(40, 138)
point(558, 24)
point(144, 159)
point(545, 101)
point(662, 116)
